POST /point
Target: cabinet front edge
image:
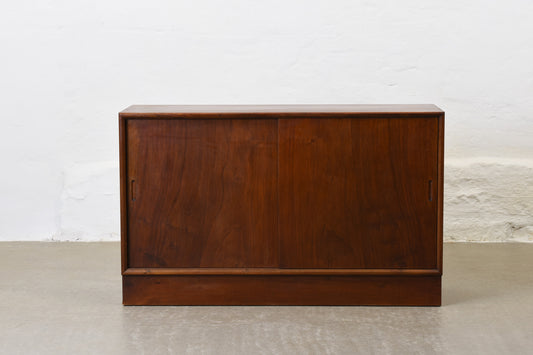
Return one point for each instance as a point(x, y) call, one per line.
point(279, 271)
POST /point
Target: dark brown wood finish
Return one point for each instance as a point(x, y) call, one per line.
point(280, 271)
point(205, 193)
point(440, 193)
point(282, 290)
point(282, 204)
point(123, 146)
point(354, 193)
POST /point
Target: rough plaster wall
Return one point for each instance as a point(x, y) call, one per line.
point(67, 68)
point(488, 200)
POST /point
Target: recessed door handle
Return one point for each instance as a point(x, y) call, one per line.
point(430, 190)
point(132, 189)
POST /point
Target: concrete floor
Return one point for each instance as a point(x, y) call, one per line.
point(65, 298)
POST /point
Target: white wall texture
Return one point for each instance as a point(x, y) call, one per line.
point(68, 67)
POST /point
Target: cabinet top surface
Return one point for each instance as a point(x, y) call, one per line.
point(279, 109)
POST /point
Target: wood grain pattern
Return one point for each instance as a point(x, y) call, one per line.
point(282, 290)
point(205, 193)
point(354, 193)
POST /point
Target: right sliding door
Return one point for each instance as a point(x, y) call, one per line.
point(358, 192)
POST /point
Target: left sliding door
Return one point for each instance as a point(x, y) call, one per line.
point(202, 193)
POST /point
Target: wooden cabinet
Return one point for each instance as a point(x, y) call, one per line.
point(282, 205)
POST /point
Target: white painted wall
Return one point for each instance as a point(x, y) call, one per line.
point(68, 67)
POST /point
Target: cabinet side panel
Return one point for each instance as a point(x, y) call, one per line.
point(440, 194)
point(204, 193)
point(358, 193)
point(123, 193)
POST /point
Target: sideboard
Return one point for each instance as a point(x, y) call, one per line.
point(281, 204)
